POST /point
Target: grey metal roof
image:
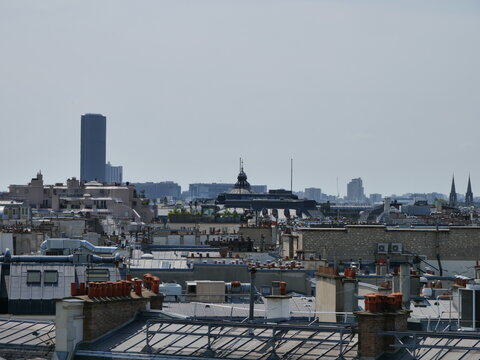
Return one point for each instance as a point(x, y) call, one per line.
point(161, 260)
point(27, 334)
point(160, 338)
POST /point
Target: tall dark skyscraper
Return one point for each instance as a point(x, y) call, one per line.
point(93, 147)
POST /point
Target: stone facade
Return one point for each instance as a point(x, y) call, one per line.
point(353, 242)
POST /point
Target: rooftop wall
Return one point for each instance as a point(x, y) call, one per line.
point(455, 243)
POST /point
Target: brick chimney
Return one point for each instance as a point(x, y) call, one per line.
point(107, 306)
point(382, 313)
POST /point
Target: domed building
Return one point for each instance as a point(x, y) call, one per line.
point(241, 196)
point(242, 186)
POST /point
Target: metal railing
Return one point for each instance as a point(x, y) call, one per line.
point(239, 340)
point(234, 311)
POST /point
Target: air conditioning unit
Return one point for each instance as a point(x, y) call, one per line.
point(396, 248)
point(382, 248)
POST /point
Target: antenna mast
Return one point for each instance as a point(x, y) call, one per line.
point(291, 175)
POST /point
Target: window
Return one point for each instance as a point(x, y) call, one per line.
point(98, 275)
point(50, 277)
point(34, 276)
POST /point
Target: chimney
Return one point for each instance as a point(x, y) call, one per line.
point(404, 280)
point(68, 326)
point(278, 304)
point(107, 306)
point(382, 313)
point(335, 293)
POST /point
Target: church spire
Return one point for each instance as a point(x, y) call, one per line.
point(469, 194)
point(452, 201)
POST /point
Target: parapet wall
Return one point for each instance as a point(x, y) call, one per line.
point(353, 242)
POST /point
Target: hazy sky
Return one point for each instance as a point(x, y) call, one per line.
point(384, 90)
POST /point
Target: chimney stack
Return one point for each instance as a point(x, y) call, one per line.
point(382, 313)
point(278, 304)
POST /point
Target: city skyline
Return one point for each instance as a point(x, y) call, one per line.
point(383, 92)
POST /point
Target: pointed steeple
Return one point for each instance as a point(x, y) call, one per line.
point(469, 194)
point(452, 201)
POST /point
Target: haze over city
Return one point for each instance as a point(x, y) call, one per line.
point(239, 179)
point(386, 92)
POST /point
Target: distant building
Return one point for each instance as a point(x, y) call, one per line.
point(313, 194)
point(452, 200)
point(212, 190)
point(160, 190)
point(14, 210)
point(469, 194)
point(113, 174)
point(416, 210)
point(93, 147)
point(355, 192)
point(376, 198)
point(434, 196)
point(242, 196)
point(119, 201)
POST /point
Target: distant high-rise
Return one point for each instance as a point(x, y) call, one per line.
point(469, 194)
point(160, 190)
point(355, 191)
point(452, 200)
point(376, 198)
point(93, 147)
point(313, 194)
point(113, 174)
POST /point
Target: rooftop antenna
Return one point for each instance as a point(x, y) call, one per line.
point(291, 175)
